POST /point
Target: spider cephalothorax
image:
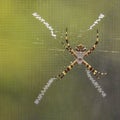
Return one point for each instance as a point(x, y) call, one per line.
point(80, 48)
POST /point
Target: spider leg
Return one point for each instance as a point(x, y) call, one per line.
point(94, 46)
point(68, 47)
point(62, 74)
point(95, 72)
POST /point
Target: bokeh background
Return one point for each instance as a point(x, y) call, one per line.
point(30, 56)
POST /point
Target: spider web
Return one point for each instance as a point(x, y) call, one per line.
point(105, 46)
point(104, 49)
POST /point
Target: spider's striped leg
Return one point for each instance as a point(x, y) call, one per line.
point(66, 36)
point(68, 47)
point(62, 74)
point(71, 51)
point(95, 72)
point(94, 46)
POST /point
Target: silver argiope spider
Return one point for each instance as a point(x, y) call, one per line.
point(79, 53)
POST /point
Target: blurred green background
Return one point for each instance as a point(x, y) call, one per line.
point(30, 56)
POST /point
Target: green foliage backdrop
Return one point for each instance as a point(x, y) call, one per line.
point(30, 56)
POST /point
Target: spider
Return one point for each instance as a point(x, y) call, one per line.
point(79, 53)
